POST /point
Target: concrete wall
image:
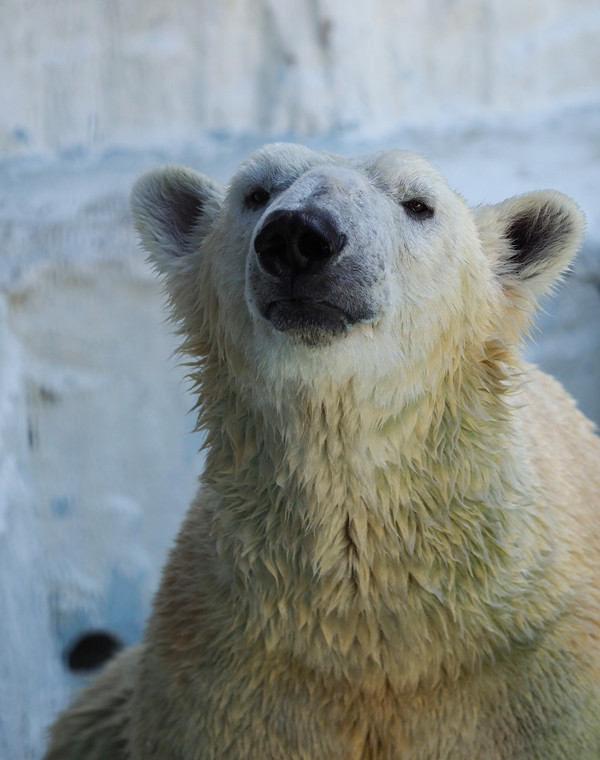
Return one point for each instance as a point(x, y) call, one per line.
point(109, 72)
point(97, 464)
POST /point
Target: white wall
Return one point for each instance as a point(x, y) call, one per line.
point(97, 463)
point(106, 72)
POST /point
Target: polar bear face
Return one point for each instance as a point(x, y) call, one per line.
point(313, 265)
point(339, 243)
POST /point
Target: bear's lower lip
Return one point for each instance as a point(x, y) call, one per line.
point(313, 322)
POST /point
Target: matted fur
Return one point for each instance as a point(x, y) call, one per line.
point(395, 549)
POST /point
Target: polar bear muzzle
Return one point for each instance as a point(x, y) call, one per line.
point(315, 268)
point(292, 243)
point(297, 251)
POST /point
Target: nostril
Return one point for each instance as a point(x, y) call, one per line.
point(313, 245)
point(272, 251)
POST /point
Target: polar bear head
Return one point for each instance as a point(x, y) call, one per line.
point(310, 265)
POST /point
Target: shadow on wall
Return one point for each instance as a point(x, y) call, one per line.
point(567, 339)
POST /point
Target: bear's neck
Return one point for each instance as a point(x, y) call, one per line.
point(363, 516)
point(321, 456)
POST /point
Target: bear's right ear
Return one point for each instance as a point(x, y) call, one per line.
point(173, 208)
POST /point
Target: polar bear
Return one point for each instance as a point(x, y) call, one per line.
point(395, 548)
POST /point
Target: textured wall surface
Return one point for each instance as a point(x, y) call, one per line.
point(97, 462)
point(110, 72)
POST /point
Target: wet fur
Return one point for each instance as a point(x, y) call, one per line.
point(393, 553)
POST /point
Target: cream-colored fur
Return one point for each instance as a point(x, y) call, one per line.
point(395, 548)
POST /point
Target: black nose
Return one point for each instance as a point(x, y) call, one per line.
point(297, 242)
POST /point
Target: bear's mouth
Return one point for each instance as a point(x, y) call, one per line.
point(311, 322)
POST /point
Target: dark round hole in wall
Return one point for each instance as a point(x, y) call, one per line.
point(91, 650)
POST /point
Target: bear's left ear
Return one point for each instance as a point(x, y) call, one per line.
point(173, 208)
point(530, 241)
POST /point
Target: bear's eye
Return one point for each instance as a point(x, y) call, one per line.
point(417, 208)
point(257, 198)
